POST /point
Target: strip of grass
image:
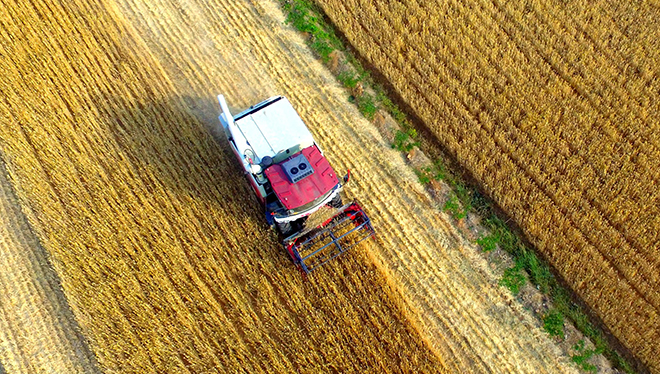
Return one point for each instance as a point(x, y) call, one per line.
point(513, 279)
point(582, 355)
point(307, 17)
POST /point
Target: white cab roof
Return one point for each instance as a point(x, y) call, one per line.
point(273, 128)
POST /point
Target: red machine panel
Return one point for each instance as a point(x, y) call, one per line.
point(294, 195)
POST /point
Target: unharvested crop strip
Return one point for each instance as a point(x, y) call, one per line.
point(577, 221)
point(522, 134)
point(596, 215)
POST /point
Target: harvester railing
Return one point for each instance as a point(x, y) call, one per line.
point(316, 246)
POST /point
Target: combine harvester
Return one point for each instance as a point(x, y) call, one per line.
point(292, 180)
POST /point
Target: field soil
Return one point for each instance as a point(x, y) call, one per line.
point(109, 117)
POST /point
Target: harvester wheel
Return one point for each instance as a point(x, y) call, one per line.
point(286, 229)
point(336, 202)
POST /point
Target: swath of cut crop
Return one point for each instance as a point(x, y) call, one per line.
point(554, 109)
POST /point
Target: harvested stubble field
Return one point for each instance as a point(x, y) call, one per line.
point(37, 328)
point(554, 107)
point(162, 253)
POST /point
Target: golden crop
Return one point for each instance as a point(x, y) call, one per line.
point(161, 248)
point(44, 333)
point(554, 107)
